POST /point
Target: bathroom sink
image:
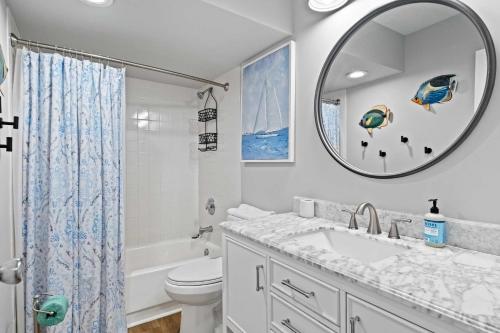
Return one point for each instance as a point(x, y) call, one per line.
point(358, 246)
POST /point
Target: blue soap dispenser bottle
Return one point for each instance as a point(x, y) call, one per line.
point(435, 227)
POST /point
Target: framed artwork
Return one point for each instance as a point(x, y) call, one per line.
point(268, 106)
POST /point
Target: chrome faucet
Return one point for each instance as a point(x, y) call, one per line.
point(353, 223)
point(374, 224)
point(203, 230)
point(393, 231)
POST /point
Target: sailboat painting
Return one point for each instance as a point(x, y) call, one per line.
point(267, 105)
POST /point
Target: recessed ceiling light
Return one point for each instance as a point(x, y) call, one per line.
point(356, 74)
point(326, 5)
point(99, 3)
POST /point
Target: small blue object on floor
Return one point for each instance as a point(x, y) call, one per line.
point(58, 306)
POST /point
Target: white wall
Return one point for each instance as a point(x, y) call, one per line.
point(162, 163)
point(220, 172)
point(466, 182)
point(7, 316)
point(425, 56)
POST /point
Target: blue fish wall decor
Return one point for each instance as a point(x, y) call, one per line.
point(439, 89)
point(379, 116)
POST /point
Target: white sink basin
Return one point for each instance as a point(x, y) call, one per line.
point(346, 244)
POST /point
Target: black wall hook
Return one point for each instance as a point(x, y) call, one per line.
point(8, 144)
point(382, 153)
point(427, 150)
point(14, 124)
point(404, 139)
point(364, 144)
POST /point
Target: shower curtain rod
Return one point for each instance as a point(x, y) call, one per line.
point(16, 41)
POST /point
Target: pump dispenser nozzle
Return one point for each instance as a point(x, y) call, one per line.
point(434, 208)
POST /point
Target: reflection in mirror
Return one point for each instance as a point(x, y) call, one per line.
point(418, 72)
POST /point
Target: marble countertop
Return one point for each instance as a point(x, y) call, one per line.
point(453, 284)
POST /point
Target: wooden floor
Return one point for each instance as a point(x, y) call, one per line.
point(170, 324)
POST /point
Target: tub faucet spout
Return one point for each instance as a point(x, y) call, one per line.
point(203, 230)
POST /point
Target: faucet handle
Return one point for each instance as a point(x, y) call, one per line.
point(353, 223)
point(393, 231)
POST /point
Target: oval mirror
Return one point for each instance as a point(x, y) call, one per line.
point(404, 87)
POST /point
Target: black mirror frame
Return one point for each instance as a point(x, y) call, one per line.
point(490, 83)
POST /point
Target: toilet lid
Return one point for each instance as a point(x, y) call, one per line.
point(205, 271)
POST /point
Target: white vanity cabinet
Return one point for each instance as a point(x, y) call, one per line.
point(245, 277)
point(266, 291)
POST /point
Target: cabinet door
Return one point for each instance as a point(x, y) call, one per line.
point(363, 317)
point(245, 288)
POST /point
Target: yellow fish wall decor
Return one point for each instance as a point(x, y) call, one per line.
point(379, 116)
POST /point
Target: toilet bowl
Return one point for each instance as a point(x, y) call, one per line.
point(198, 288)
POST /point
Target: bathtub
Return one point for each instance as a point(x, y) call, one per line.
point(146, 269)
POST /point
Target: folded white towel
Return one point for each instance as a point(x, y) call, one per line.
point(234, 218)
point(247, 212)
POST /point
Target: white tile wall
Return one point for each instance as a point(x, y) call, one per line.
point(161, 162)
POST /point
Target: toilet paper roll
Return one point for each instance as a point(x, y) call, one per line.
point(306, 208)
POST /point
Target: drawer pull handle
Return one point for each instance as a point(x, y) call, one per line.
point(288, 283)
point(288, 324)
point(258, 287)
point(353, 321)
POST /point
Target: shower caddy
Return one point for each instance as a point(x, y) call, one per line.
point(207, 140)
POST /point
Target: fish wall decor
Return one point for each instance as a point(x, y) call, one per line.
point(379, 116)
point(439, 89)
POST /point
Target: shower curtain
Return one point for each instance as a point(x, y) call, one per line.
point(331, 123)
point(72, 189)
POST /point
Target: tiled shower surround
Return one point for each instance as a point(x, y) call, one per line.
point(161, 164)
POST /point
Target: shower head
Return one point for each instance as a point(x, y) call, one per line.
point(202, 93)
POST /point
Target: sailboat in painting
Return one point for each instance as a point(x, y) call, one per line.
point(268, 120)
point(266, 103)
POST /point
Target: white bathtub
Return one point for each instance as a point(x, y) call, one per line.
point(146, 269)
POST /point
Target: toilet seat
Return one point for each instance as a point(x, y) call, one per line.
point(200, 273)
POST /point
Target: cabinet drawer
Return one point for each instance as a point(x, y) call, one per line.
point(363, 317)
point(313, 294)
point(285, 318)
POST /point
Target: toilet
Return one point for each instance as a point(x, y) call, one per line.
point(198, 288)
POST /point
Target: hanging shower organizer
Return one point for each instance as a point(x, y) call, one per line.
point(208, 117)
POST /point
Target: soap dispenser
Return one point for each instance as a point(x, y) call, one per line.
point(435, 227)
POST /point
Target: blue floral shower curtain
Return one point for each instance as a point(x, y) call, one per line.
point(331, 123)
point(73, 189)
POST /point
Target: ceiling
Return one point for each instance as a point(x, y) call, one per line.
point(376, 50)
point(204, 38)
point(345, 63)
point(415, 17)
